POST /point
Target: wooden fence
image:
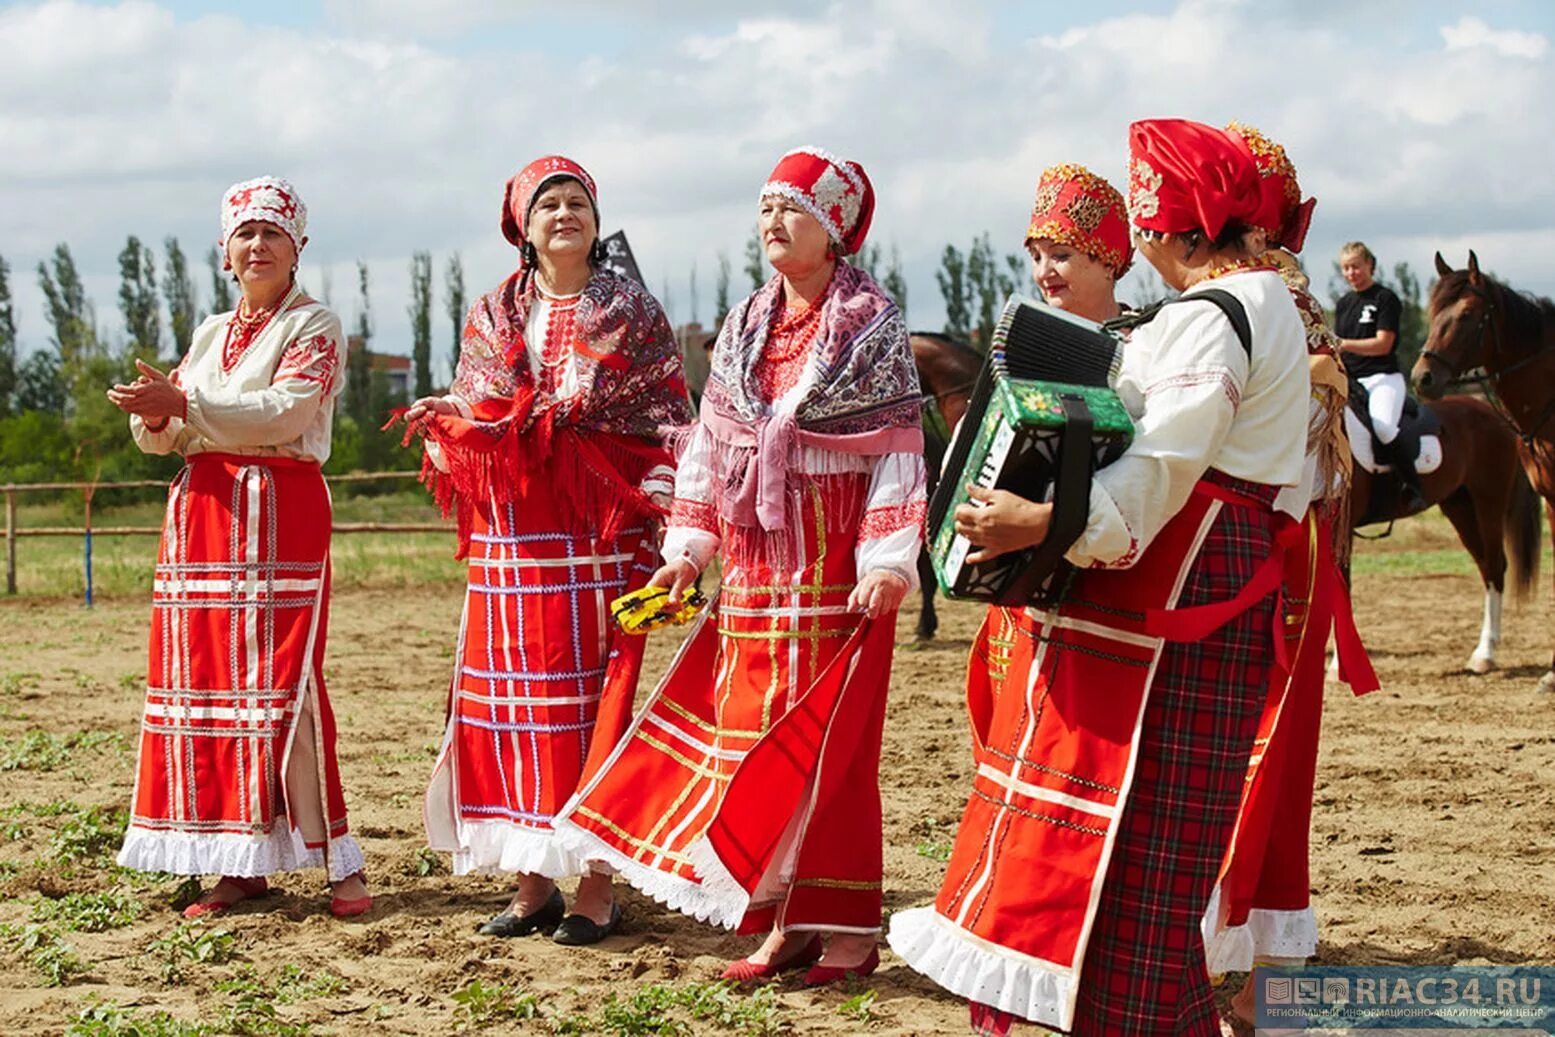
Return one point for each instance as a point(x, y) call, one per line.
point(86, 531)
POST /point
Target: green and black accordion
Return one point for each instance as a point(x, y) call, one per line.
point(1042, 418)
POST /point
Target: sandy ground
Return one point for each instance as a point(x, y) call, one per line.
point(1433, 840)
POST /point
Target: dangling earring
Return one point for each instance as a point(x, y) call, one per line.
point(597, 252)
point(528, 253)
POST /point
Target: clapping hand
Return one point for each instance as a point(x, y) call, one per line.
point(153, 395)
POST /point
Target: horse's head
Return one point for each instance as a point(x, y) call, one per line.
point(1461, 314)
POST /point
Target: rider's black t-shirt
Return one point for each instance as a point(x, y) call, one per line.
point(1362, 315)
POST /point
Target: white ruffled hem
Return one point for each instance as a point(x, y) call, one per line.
point(501, 848)
point(242, 856)
point(687, 896)
point(982, 971)
point(1283, 934)
point(1266, 934)
point(718, 885)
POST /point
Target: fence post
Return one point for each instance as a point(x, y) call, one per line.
point(10, 541)
point(86, 495)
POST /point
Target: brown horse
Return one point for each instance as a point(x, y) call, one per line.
point(1478, 322)
point(947, 368)
point(1479, 486)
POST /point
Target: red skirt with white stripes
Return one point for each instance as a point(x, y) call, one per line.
point(239, 622)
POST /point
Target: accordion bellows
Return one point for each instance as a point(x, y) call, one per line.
point(1042, 418)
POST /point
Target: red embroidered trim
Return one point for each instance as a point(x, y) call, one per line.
point(1193, 378)
point(694, 514)
point(891, 518)
point(316, 359)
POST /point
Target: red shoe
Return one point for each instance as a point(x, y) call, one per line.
point(209, 904)
point(747, 971)
point(988, 1021)
point(340, 907)
point(820, 975)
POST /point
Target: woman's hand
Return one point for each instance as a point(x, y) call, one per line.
point(678, 576)
point(1003, 524)
point(428, 406)
point(879, 593)
point(153, 395)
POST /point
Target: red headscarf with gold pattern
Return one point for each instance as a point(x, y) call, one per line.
point(1076, 207)
point(1281, 213)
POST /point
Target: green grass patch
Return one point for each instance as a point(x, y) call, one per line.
point(289, 986)
point(248, 1017)
point(45, 952)
point(673, 1010)
point(482, 1005)
point(933, 850)
point(77, 834)
point(190, 945)
point(860, 1007)
point(46, 751)
point(89, 912)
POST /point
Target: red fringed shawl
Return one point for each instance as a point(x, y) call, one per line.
point(595, 444)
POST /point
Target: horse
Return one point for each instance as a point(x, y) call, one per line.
point(947, 370)
point(1477, 322)
point(1480, 487)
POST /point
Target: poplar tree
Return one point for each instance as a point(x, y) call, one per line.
point(178, 290)
point(221, 282)
point(7, 341)
point(453, 302)
point(138, 300)
point(420, 311)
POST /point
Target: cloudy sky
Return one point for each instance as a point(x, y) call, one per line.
point(1418, 125)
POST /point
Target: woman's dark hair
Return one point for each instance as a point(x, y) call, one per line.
point(1231, 234)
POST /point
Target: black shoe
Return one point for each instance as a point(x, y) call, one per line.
point(547, 917)
point(581, 930)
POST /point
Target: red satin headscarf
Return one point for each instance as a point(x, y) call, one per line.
point(1186, 176)
point(521, 190)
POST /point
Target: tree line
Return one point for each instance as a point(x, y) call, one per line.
point(55, 422)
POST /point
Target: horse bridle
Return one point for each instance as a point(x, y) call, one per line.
point(1487, 344)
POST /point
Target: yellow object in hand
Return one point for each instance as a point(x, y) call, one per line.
point(647, 608)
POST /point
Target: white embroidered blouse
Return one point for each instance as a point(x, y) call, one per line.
point(1198, 404)
point(276, 400)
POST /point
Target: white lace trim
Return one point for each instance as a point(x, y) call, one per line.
point(1266, 934)
point(979, 970)
point(499, 847)
point(242, 856)
point(718, 884)
point(684, 895)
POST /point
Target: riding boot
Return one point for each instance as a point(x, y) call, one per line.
point(1401, 459)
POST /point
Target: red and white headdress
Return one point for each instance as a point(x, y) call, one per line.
point(1076, 207)
point(1281, 214)
point(267, 198)
point(835, 191)
point(1185, 176)
point(521, 190)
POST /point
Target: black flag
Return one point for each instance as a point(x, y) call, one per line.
point(618, 257)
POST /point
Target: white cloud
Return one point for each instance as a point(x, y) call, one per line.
point(1472, 32)
point(125, 120)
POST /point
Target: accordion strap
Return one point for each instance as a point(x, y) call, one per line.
point(1221, 299)
point(1071, 501)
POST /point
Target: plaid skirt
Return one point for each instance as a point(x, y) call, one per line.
point(239, 620)
point(1110, 765)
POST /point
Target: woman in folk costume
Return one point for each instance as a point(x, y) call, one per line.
point(746, 791)
point(550, 443)
point(237, 774)
point(1262, 909)
point(1107, 785)
point(1078, 240)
